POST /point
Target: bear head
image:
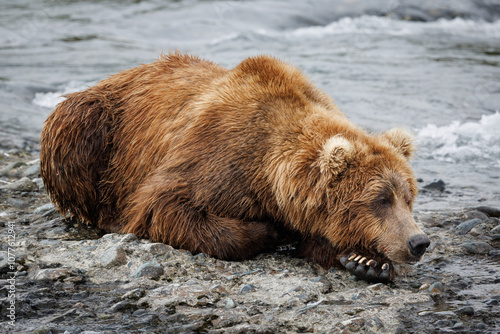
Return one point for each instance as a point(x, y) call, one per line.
point(370, 193)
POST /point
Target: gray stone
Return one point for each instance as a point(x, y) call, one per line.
point(24, 184)
point(43, 209)
point(467, 225)
point(134, 294)
point(150, 269)
point(4, 263)
point(495, 230)
point(124, 305)
point(52, 274)
point(33, 170)
point(467, 310)
point(158, 248)
point(477, 247)
point(436, 287)
point(130, 237)
point(230, 303)
point(354, 324)
point(112, 257)
point(246, 289)
point(492, 212)
point(11, 166)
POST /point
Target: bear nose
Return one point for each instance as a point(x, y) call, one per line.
point(418, 244)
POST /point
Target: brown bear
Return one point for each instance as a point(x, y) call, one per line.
point(232, 163)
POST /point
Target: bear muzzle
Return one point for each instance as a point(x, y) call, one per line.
point(418, 245)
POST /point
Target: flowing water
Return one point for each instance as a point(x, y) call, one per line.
point(430, 66)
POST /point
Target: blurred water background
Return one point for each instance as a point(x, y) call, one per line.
point(430, 66)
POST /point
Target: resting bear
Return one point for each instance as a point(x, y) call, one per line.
point(232, 163)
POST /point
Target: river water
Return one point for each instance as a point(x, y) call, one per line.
point(432, 67)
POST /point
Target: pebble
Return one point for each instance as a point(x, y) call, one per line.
point(134, 294)
point(150, 269)
point(246, 289)
point(467, 225)
point(467, 310)
point(123, 305)
point(492, 212)
point(230, 303)
point(4, 171)
point(158, 248)
point(33, 170)
point(478, 247)
point(43, 209)
point(354, 324)
point(495, 230)
point(436, 288)
point(52, 274)
point(130, 237)
point(438, 185)
point(376, 287)
point(24, 184)
point(4, 263)
point(112, 257)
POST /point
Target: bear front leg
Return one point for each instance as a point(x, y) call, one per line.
point(167, 216)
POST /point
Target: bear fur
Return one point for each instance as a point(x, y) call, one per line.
point(230, 163)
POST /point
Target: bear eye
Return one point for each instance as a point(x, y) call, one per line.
point(384, 201)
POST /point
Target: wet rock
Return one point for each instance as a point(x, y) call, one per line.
point(134, 294)
point(112, 257)
point(476, 214)
point(354, 324)
point(467, 226)
point(130, 237)
point(467, 310)
point(438, 185)
point(492, 212)
point(494, 254)
point(150, 269)
point(5, 171)
point(478, 247)
point(52, 274)
point(24, 184)
point(158, 248)
point(123, 306)
point(229, 303)
point(4, 263)
point(41, 210)
point(492, 302)
point(495, 230)
point(33, 170)
point(436, 288)
point(219, 289)
point(373, 324)
point(246, 289)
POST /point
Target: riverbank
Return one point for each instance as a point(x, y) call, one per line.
point(68, 278)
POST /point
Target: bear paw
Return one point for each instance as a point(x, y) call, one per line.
point(367, 269)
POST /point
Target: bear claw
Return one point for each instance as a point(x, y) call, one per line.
point(366, 269)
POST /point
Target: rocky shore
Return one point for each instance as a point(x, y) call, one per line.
point(59, 276)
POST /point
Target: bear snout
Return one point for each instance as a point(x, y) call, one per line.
point(418, 245)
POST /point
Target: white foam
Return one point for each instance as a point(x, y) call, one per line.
point(463, 142)
point(51, 99)
point(367, 24)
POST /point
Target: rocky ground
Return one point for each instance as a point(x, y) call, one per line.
point(67, 278)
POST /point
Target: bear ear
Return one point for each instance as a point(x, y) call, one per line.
point(402, 140)
point(335, 155)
